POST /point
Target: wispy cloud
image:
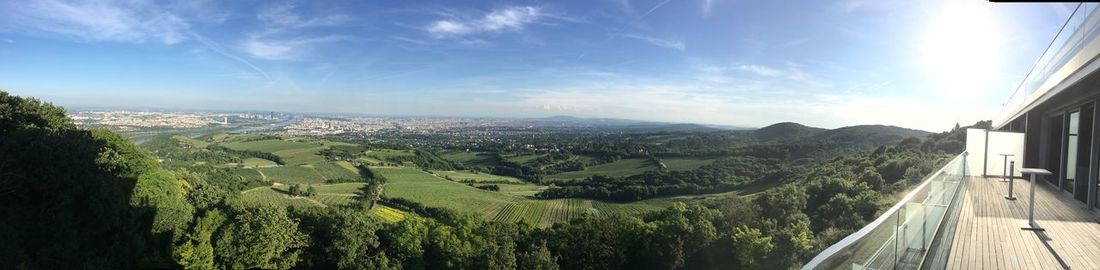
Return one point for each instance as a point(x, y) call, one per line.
point(284, 48)
point(95, 21)
point(216, 48)
point(791, 72)
point(278, 37)
point(671, 44)
point(284, 16)
point(513, 18)
point(655, 8)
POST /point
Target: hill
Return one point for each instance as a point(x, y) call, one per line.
point(785, 131)
point(870, 134)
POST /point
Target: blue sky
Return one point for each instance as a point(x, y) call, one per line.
point(918, 64)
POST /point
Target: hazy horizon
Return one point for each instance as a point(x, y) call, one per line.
point(924, 65)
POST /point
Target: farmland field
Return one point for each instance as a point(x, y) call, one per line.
point(292, 151)
point(292, 175)
point(268, 195)
point(193, 142)
point(463, 157)
point(476, 177)
point(331, 171)
point(521, 158)
point(685, 164)
point(513, 203)
point(388, 214)
point(270, 146)
point(248, 174)
point(257, 162)
point(622, 167)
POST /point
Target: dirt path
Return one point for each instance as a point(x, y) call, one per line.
point(262, 175)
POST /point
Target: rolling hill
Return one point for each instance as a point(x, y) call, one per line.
point(784, 131)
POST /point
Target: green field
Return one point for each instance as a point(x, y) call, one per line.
point(270, 146)
point(476, 177)
point(380, 156)
point(332, 170)
point(389, 214)
point(292, 151)
point(193, 142)
point(268, 195)
point(292, 175)
point(513, 203)
point(248, 174)
point(622, 167)
point(521, 158)
point(257, 162)
point(521, 189)
point(343, 194)
point(464, 157)
point(686, 164)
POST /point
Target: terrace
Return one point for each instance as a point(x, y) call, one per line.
point(959, 218)
point(988, 233)
point(954, 220)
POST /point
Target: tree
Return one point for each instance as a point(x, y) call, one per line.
point(196, 249)
point(76, 198)
point(295, 190)
point(872, 178)
point(405, 241)
point(750, 246)
point(536, 258)
point(260, 237)
point(342, 239)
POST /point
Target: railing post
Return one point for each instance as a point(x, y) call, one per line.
point(898, 235)
point(924, 228)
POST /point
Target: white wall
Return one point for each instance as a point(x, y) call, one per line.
point(990, 159)
point(1004, 143)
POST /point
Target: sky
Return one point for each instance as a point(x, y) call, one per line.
point(918, 64)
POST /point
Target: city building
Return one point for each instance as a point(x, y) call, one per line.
point(971, 215)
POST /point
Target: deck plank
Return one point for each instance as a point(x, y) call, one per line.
point(988, 235)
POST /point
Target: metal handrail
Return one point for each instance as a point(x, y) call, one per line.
point(862, 232)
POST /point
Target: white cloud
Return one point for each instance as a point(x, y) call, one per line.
point(505, 19)
point(278, 38)
point(285, 48)
point(792, 72)
point(284, 16)
point(760, 70)
point(671, 44)
point(133, 22)
point(447, 27)
point(513, 18)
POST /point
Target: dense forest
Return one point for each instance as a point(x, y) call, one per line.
point(72, 197)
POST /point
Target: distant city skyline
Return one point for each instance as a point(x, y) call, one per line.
point(917, 64)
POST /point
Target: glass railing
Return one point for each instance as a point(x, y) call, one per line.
point(904, 235)
point(1075, 45)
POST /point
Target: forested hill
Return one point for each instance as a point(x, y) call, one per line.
point(790, 141)
point(784, 131)
point(870, 134)
point(865, 134)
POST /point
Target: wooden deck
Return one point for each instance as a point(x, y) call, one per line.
point(988, 235)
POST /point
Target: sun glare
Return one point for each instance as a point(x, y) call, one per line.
point(959, 48)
